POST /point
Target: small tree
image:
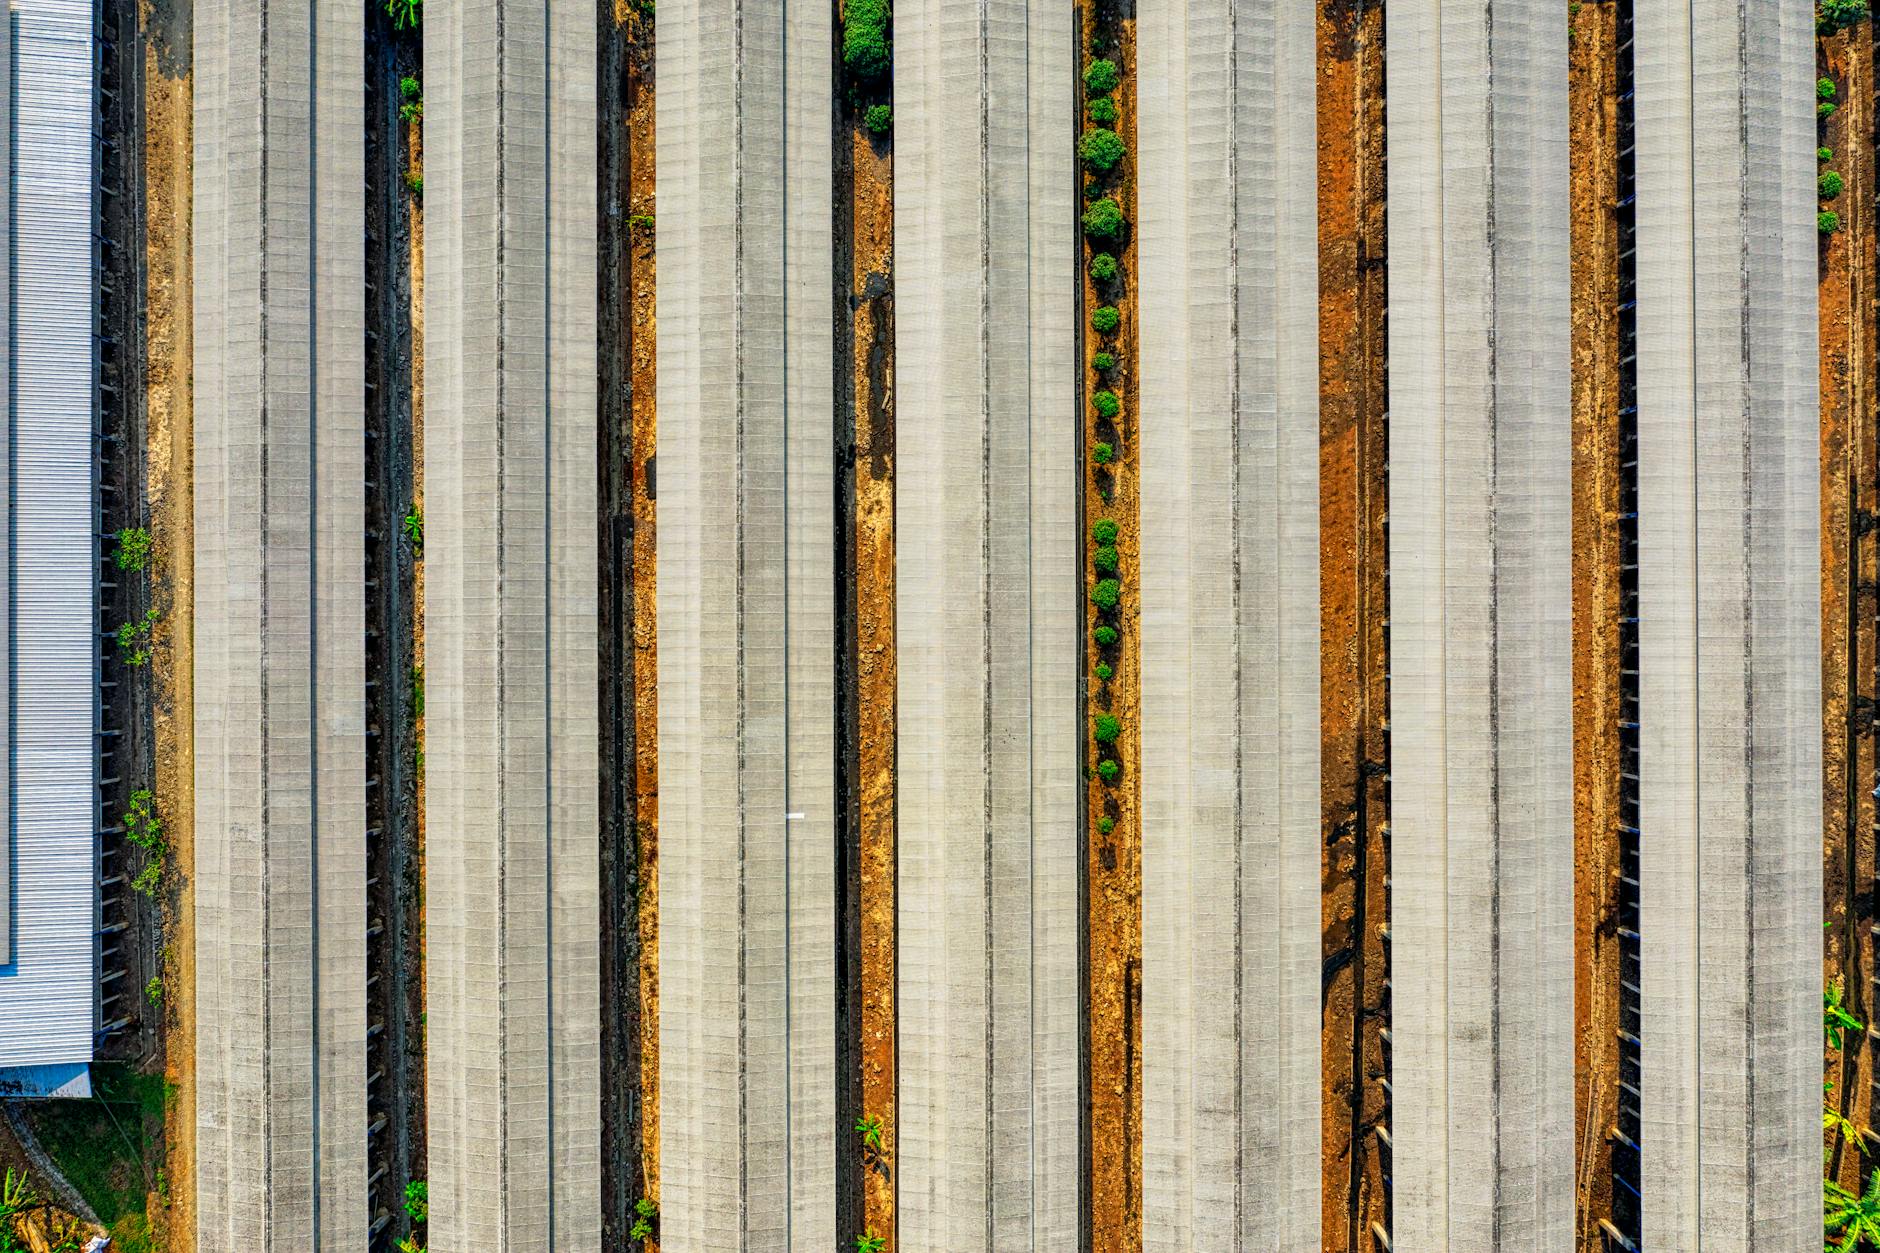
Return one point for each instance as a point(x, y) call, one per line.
point(1103, 111)
point(1105, 593)
point(867, 38)
point(1830, 185)
point(1101, 77)
point(1106, 319)
point(1103, 267)
point(1106, 728)
point(1101, 149)
point(1105, 636)
point(1104, 219)
point(880, 119)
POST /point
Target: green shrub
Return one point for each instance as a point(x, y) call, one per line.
point(880, 119)
point(1104, 219)
point(1104, 559)
point(1824, 154)
point(1824, 110)
point(1104, 531)
point(1105, 320)
point(1105, 593)
point(1827, 221)
point(1108, 770)
point(1104, 361)
point(1830, 185)
point(1106, 729)
point(1103, 111)
point(1824, 88)
point(1103, 455)
point(1103, 267)
point(1105, 636)
point(411, 99)
point(1104, 672)
point(418, 1200)
point(1105, 825)
point(1106, 404)
point(1100, 149)
point(1101, 77)
point(1092, 189)
point(1834, 15)
point(133, 548)
point(867, 34)
point(405, 14)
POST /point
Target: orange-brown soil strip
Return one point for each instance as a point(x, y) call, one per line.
point(1848, 569)
point(169, 454)
point(870, 168)
point(1354, 652)
point(1598, 554)
point(1114, 867)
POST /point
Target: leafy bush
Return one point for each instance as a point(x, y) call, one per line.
point(1106, 824)
point(411, 99)
point(1101, 77)
point(1824, 88)
point(1103, 454)
point(418, 1200)
point(1830, 185)
point(1827, 221)
point(1104, 559)
point(1103, 111)
point(1104, 672)
point(1104, 361)
point(1103, 267)
point(1106, 404)
point(880, 119)
point(133, 548)
point(1824, 110)
point(1106, 728)
point(1834, 15)
point(1104, 219)
point(1824, 154)
point(1105, 320)
point(1105, 593)
point(153, 991)
point(867, 34)
point(1105, 636)
point(1108, 770)
point(1104, 531)
point(1100, 149)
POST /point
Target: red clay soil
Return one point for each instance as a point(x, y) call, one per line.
point(870, 168)
point(1848, 570)
point(1354, 644)
point(1598, 551)
point(1115, 858)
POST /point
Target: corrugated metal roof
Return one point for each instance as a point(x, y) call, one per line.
point(47, 991)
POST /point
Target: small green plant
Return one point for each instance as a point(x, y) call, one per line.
point(880, 119)
point(410, 99)
point(1108, 770)
point(133, 548)
point(1836, 1021)
point(1106, 728)
point(1105, 825)
point(1104, 219)
point(1104, 559)
point(1824, 110)
point(1104, 361)
point(414, 182)
point(1824, 154)
point(1827, 221)
point(641, 222)
point(1104, 593)
point(1105, 636)
point(1104, 672)
point(1824, 89)
point(1101, 77)
point(142, 826)
point(418, 1200)
point(1103, 455)
point(153, 991)
point(1104, 531)
point(869, 1129)
point(409, 1244)
point(1830, 185)
point(1850, 1220)
point(1837, 15)
point(1106, 404)
point(133, 639)
point(870, 1243)
point(1102, 111)
point(150, 878)
point(867, 38)
point(1105, 319)
point(1101, 149)
point(645, 1214)
point(1103, 267)
point(406, 14)
point(414, 528)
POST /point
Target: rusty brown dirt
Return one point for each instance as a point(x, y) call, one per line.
point(1114, 866)
point(871, 166)
point(1354, 643)
point(1598, 554)
point(169, 488)
point(1848, 568)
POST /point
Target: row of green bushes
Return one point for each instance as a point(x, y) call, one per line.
point(1102, 152)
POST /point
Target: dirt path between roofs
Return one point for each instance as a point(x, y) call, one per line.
point(1598, 554)
point(169, 489)
point(1848, 569)
point(1354, 619)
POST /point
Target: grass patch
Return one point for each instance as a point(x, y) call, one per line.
point(102, 1146)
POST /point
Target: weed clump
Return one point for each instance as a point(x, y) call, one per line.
point(1830, 185)
point(1827, 221)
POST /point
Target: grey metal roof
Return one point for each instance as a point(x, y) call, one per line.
point(47, 984)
